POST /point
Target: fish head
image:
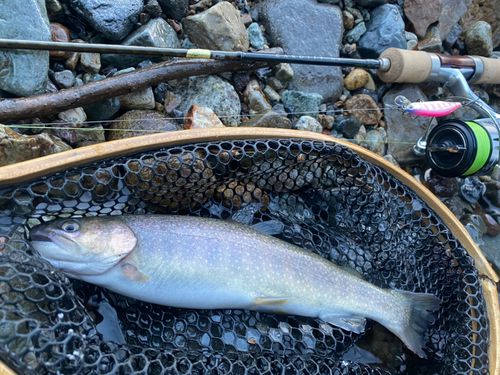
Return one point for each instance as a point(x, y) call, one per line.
point(84, 246)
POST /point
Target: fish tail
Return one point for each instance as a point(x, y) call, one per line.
point(418, 319)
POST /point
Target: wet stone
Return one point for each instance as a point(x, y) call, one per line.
point(60, 34)
point(375, 142)
point(308, 123)
point(452, 37)
point(364, 108)
point(174, 8)
point(356, 79)
point(452, 11)
point(327, 122)
point(384, 30)
point(255, 98)
point(240, 81)
point(90, 62)
point(200, 118)
point(64, 79)
point(16, 148)
point(391, 159)
point(113, 19)
point(102, 110)
point(153, 8)
point(24, 74)
point(218, 28)
point(268, 119)
point(75, 116)
point(212, 92)
point(283, 73)
point(303, 103)
point(255, 36)
point(492, 226)
point(139, 99)
point(484, 10)
point(353, 35)
point(348, 127)
point(156, 33)
point(54, 9)
point(478, 39)
point(271, 94)
point(471, 189)
point(422, 13)
point(348, 19)
point(287, 21)
point(140, 122)
point(441, 186)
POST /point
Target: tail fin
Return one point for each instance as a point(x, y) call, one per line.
point(413, 332)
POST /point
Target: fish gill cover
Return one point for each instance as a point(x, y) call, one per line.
point(329, 201)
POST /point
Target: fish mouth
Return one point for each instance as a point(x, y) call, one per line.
point(40, 237)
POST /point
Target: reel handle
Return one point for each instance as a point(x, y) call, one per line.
point(418, 66)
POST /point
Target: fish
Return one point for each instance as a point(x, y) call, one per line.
point(202, 263)
point(427, 109)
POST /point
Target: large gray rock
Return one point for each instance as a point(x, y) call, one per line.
point(384, 30)
point(113, 19)
point(156, 33)
point(24, 73)
point(304, 27)
point(174, 8)
point(212, 92)
point(401, 127)
point(451, 12)
point(219, 28)
point(478, 39)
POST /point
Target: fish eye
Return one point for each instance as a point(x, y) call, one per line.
point(411, 106)
point(70, 226)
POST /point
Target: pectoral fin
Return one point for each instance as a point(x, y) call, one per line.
point(265, 301)
point(133, 273)
point(350, 323)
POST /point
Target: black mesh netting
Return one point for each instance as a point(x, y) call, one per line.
point(330, 202)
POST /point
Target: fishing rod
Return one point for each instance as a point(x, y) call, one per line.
point(453, 148)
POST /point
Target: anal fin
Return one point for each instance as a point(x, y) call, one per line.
point(133, 273)
point(350, 323)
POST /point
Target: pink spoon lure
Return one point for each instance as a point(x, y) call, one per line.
point(427, 109)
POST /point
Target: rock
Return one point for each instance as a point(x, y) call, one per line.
point(113, 19)
point(471, 189)
point(246, 19)
point(474, 224)
point(360, 135)
point(391, 159)
point(422, 13)
point(139, 99)
point(348, 20)
point(432, 41)
point(200, 118)
point(255, 98)
point(75, 116)
point(286, 21)
point(283, 73)
point(60, 34)
point(90, 62)
point(64, 79)
point(348, 127)
point(370, 85)
point(454, 204)
point(401, 127)
point(478, 39)
point(171, 101)
point(370, 3)
point(384, 30)
point(375, 142)
point(492, 226)
point(271, 94)
point(303, 103)
point(175, 9)
point(16, 148)
point(268, 119)
point(308, 123)
point(157, 33)
point(24, 73)
point(353, 36)
point(54, 9)
point(364, 108)
point(212, 92)
point(102, 110)
point(492, 193)
point(218, 28)
point(274, 83)
point(140, 122)
point(255, 36)
point(153, 8)
point(451, 12)
point(356, 79)
point(452, 36)
point(440, 186)
point(72, 61)
point(74, 136)
point(326, 121)
point(484, 10)
point(489, 247)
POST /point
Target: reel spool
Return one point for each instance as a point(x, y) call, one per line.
point(457, 148)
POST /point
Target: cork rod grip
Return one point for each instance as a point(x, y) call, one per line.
point(406, 66)
point(491, 72)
